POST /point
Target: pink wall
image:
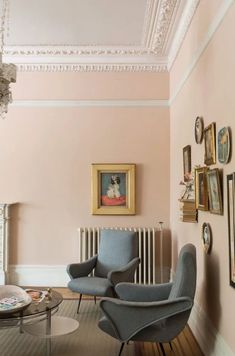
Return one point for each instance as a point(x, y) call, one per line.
point(202, 20)
point(46, 156)
point(91, 85)
point(208, 92)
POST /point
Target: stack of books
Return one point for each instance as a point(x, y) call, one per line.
point(189, 211)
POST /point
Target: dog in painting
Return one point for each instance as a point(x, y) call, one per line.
point(114, 189)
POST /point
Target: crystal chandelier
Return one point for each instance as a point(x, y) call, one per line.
point(7, 71)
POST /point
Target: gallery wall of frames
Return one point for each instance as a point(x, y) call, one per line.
point(203, 184)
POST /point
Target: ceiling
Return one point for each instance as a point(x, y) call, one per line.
point(96, 34)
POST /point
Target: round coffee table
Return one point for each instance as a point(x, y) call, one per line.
point(38, 319)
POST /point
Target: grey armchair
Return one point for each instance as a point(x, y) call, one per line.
point(116, 262)
point(156, 313)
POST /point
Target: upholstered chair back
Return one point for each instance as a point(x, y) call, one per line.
point(117, 248)
point(184, 284)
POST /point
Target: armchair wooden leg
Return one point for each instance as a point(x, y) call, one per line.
point(162, 349)
point(121, 348)
point(79, 302)
point(95, 299)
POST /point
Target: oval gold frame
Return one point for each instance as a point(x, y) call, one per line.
point(199, 129)
point(206, 237)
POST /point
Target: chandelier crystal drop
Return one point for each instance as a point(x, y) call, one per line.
point(7, 71)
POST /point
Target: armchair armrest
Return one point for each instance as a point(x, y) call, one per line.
point(128, 318)
point(76, 270)
point(124, 274)
point(143, 293)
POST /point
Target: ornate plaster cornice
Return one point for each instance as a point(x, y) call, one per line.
point(54, 50)
point(149, 56)
point(150, 12)
point(182, 30)
point(91, 67)
point(165, 14)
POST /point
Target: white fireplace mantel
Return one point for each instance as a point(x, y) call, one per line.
point(4, 242)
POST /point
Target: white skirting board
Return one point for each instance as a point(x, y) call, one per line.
point(38, 275)
point(210, 341)
point(208, 338)
point(52, 276)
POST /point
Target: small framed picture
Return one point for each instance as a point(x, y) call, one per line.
point(198, 129)
point(224, 145)
point(209, 139)
point(201, 192)
point(187, 162)
point(214, 191)
point(113, 189)
point(206, 237)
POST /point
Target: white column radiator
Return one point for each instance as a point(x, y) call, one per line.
point(88, 239)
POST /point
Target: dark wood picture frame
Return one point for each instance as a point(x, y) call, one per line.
point(231, 226)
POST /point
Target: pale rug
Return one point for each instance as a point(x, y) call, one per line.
point(87, 340)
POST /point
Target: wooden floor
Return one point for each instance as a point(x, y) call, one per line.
point(184, 345)
point(68, 294)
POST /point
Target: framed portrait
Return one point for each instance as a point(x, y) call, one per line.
point(224, 145)
point(201, 192)
point(206, 237)
point(209, 139)
point(214, 191)
point(187, 162)
point(113, 189)
point(199, 129)
point(231, 226)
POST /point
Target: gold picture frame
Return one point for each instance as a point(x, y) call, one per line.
point(201, 191)
point(209, 139)
point(214, 191)
point(224, 145)
point(113, 189)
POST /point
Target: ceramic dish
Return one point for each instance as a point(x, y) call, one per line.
point(13, 298)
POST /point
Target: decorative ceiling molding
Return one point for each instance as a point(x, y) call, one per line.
point(184, 24)
point(164, 18)
point(150, 14)
point(54, 50)
point(45, 67)
point(160, 19)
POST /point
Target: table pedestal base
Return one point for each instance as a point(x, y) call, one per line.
point(51, 327)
